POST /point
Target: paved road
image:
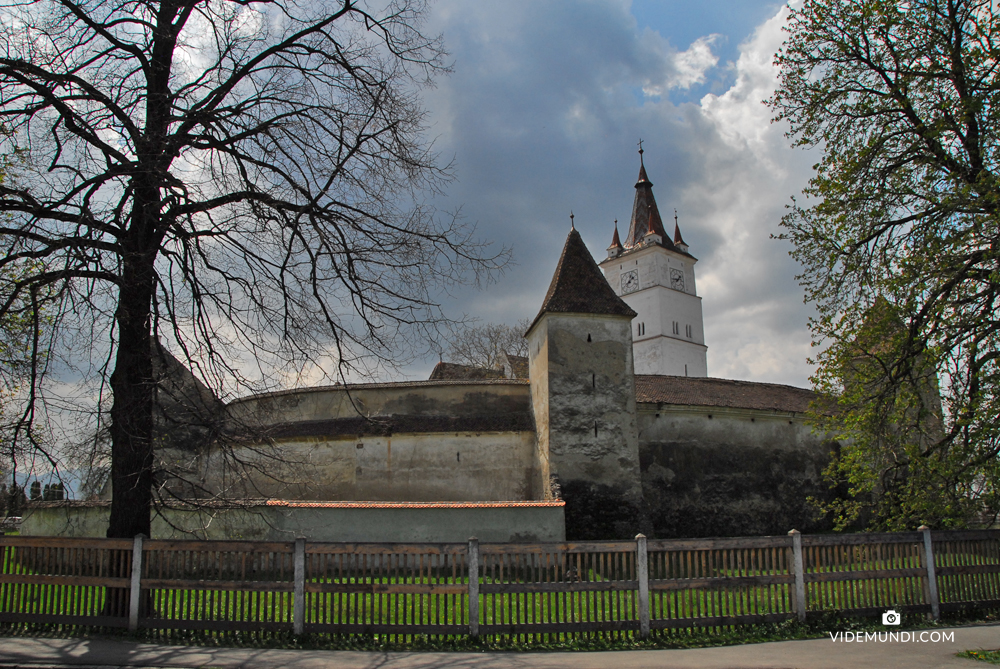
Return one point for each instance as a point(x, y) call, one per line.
point(813, 654)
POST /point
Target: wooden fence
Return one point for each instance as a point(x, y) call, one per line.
point(612, 588)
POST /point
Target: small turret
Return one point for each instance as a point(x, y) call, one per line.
point(652, 235)
point(678, 240)
point(615, 249)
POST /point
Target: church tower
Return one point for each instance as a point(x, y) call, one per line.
point(583, 388)
point(654, 275)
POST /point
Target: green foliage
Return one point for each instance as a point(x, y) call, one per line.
point(900, 245)
point(989, 656)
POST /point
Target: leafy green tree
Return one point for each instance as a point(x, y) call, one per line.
point(899, 239)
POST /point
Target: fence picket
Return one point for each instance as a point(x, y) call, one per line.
point(515, 591)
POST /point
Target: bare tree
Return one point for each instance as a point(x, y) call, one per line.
point(240, 180)
point(482, 345)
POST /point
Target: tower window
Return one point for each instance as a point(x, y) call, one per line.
point(687, 330)
point(641, 329)
point(676, 328)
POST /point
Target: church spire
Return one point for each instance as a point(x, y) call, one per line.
point(678, 240)
point(616, 244)
point(645, 215)
point(642, 169)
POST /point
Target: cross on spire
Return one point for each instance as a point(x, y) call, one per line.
point(572, 226)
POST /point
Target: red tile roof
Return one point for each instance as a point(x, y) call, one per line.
point(689, 391)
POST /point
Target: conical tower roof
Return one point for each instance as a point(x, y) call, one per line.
point(579, 287)
point(645, 214)
point(616, 242)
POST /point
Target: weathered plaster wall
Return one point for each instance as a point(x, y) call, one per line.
point(583, 393)
point(470, 466)
point(542, 522)
point(709, 471)
point(416, 441)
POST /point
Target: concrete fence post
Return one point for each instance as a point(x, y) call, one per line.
point(932, 588)
point(299, 601)
point(473, 564)
point(134, 598)
point(800, 574)
point(642, 573)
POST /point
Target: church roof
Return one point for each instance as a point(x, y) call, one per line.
point(677, 233)
point(450, 370)
point(616, 242)
point(724, 393)
point(579, 287)
point(646, 216)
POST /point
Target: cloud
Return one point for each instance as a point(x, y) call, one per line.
point(682, 69)
point(542, 116)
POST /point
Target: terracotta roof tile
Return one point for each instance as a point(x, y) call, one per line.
point(579, 287)
point(689, 391)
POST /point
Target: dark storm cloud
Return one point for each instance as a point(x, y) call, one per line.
point(542, 115)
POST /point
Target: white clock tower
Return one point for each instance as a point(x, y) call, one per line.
point(655, 276)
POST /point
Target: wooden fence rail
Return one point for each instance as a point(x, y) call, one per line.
point(613, 588)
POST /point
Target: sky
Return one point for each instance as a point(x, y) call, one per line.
point(542, 115)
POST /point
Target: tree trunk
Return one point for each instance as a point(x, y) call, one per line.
point(132, 383)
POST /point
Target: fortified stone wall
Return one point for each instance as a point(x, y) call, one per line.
point(422, 467)
point(715, 471)
point(413, 441)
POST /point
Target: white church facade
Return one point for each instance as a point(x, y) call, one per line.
point(615, 428)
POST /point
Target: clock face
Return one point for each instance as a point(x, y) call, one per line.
point(677, 279)
point(630, 281)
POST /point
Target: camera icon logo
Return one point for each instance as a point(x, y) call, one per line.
point(890, 617)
